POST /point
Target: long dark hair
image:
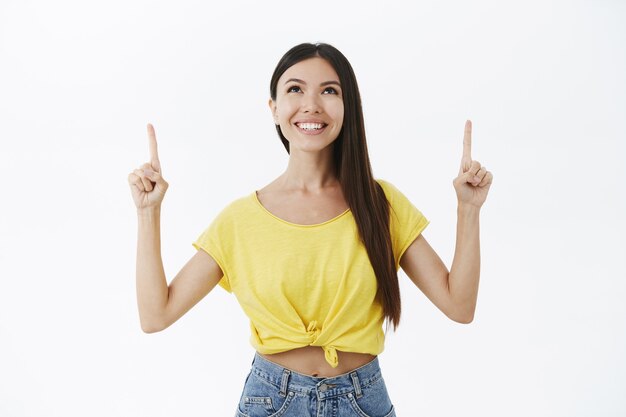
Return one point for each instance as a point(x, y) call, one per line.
point(364, 195)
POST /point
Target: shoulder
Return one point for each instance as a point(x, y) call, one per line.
point(240, 203)
point(391, 191)
point(398, 201)
point(383, 183)
point(406, 220)
point(236, 208)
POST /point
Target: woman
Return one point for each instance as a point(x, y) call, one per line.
point(313, 256)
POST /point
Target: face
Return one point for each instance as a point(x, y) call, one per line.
point(309, 105)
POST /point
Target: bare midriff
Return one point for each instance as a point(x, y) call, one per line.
point(310, 360)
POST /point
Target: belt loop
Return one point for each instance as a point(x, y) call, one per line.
point(283, 383)
point(357, 385)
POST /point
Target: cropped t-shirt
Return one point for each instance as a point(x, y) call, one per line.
point(304, 285)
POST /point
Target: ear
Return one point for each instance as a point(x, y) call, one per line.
point(272, 105)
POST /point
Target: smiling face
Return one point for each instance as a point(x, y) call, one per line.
point(309, 105)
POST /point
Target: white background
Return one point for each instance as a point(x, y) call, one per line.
point(542, 81)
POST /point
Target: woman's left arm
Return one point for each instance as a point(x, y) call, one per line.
point(455, 292)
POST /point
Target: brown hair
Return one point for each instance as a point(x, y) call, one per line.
point(364, 195)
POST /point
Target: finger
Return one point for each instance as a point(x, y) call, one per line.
point(145, 181)
point(470, 175)
point(481, 173)
point(152, 144)
point(474, 168)
point(467, 140)
point(479, 176)
point(486, 180)
point(466, 159)
point(135, 181)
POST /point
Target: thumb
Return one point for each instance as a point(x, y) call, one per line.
point(157, 178)
point(470, 178)
point(156, 165)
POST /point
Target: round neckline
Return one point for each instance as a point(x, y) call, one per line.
point(258, 202)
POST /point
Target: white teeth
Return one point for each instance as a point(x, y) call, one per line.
point(310, 126)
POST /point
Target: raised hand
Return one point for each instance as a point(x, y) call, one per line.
point(146, 183)
point(473, 182)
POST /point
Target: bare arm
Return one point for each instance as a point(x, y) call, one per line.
point(161, 305)
point(455, 293)
point(152, 289)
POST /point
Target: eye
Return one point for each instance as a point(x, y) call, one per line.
point(294, 89)
point(330, 90)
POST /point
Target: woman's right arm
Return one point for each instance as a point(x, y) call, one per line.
point(161, 305)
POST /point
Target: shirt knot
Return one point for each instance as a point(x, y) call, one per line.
point(313, 331)
point(330, 353)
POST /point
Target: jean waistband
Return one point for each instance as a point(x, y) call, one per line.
point(286, 379)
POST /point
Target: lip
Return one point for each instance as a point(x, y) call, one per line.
point(311, 132)
point(310, 121)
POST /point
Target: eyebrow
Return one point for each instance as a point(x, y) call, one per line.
point(325, 83)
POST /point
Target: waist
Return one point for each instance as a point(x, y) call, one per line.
point(276, 375)
point(310, 361)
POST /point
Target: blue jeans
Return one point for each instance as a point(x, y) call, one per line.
point(273, 391)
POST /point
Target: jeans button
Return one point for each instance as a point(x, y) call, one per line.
point(323, 387)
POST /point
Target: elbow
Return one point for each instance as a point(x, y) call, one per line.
point(151, 326)
point(150, 329)
point(462, 317)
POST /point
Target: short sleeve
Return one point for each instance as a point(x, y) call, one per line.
point(214, 240)
point(406, 221)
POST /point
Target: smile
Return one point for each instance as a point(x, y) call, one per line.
point(311, 128)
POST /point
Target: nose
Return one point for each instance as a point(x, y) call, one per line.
point(311, 104)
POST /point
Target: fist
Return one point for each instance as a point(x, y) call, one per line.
point(147, 185)
point(473, 182)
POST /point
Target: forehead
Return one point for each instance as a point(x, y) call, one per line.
point(312, 70)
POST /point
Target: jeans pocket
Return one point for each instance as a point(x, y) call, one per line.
point(262, 399)
point(374, 402)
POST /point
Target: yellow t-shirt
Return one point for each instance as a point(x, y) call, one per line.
point(304, 285)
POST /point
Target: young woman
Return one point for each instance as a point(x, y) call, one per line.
point(313, 256)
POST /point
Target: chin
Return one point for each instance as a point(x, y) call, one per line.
point(309, 147)
point(308, 143)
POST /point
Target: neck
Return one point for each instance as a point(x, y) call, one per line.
point(309, 171)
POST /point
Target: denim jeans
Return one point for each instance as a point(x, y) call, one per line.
point(273, 391)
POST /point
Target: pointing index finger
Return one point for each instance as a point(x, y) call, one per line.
point(152, 144)
point(467, 141)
